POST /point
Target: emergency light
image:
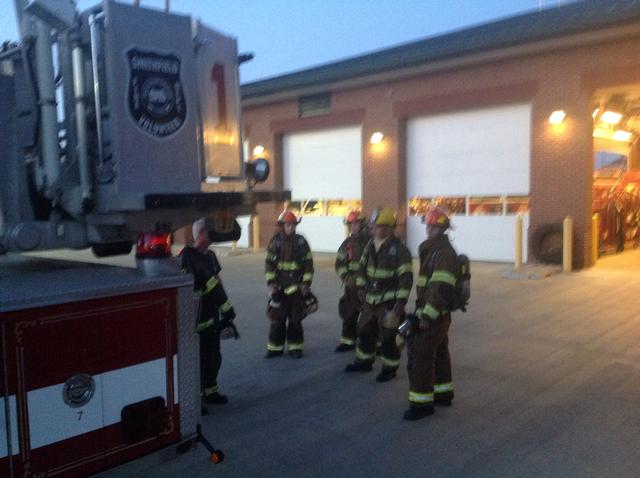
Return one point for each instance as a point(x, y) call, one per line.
point(153, 245)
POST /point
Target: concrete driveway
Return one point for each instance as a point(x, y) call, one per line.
point(546, 374)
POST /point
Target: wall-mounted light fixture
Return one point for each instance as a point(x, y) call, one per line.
point(376, 138)
point(258, 150)
point(621, 135)
point(557, 117)
point(611, 117)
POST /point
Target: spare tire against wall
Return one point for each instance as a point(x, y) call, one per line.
point(546, 243)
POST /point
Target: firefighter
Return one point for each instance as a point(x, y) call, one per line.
point(429, 363)
point(384, 281)
point(289, 272)
point(347, 266)
point(216, 311)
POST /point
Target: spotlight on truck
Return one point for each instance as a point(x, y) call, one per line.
point(256, 171)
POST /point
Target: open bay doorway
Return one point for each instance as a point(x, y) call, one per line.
point(616, 169)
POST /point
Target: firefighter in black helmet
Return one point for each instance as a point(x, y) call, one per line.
point(347, 265)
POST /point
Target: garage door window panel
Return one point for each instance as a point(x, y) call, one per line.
point(314, 207)
point(453, 205)
point(517, 205)
point(486, 206)
point(471, 206)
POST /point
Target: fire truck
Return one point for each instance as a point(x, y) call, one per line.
point(119, 125)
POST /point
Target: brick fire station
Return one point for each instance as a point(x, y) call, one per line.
point(535, 115)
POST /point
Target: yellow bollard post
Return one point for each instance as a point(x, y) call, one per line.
point(595, 238)
point(518, 259)
point(567, 244)
point(234, 246)
point(255, 225)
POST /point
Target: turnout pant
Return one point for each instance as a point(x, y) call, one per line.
point(286, 324)
point(429, 363)
point(349, 310)
point(210, 360)
point(373, 328)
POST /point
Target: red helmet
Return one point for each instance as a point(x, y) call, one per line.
point(353, 216)
point(436, 216)
point(287, 216)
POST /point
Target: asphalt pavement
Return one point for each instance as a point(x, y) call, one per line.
point(546, 376)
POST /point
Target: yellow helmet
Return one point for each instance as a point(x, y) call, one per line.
point(383, 217)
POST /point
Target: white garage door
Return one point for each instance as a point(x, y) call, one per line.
point(469, 156)
point(323, 165)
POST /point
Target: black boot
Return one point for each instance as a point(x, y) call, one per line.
point(359, 367)
point(215, 399)
point(444, 399)
point(386, 374)
point(295, 353)
point(418, 413)
point(345, 347)
point(273, 353)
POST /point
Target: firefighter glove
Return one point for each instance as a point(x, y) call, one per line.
point(229, 332)
point(350, 281)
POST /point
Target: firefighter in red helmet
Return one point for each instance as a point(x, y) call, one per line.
point(429, 362)
point(347, 266)
point(289, 272)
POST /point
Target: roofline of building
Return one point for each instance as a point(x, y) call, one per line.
point(575, 24)
point(460, 62)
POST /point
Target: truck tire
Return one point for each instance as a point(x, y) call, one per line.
point(546, 243)
point(111, 249)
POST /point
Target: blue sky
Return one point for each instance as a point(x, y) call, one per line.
point(290, 35)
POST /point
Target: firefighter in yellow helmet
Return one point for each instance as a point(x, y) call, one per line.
point(384, 281)
point(429, 362)
point(347, 266)
point(289, 272)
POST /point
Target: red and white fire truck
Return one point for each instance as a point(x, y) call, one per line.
point(118, 124)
